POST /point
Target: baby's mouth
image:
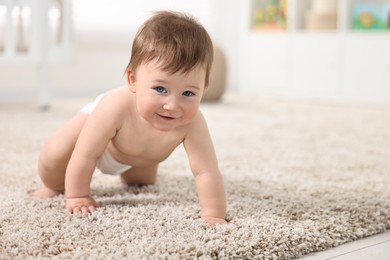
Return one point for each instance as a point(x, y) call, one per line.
point(167, 117)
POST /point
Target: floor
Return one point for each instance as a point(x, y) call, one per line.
point(373, 248)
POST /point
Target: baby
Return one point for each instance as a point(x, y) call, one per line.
point(128, 131)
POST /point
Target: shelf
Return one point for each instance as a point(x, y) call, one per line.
point(269, 15)
point(368, 15)
point(336, 16)
point(332, 62)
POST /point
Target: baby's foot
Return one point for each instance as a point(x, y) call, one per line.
point(44, 193)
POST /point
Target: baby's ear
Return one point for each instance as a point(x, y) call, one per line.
point(131, 80)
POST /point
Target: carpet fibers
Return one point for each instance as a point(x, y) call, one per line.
point(300, 177)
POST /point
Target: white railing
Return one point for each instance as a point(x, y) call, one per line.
point(36, 31)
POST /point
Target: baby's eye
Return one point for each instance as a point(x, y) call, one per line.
point(160, 89)
point(188, 93)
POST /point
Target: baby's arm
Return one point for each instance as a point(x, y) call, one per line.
point(204, 165)
point(97, 132)
point(212, 199)
point(77, 183)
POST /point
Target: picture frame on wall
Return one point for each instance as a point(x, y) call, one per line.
point(367, 16)
point(269, 15)
point(386, 16)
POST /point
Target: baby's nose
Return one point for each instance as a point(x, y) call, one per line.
point(171, 104)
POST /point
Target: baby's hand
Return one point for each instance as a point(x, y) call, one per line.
point(212, 221)
point(84, 205)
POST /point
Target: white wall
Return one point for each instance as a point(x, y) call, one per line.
point(102, 34)
point(340, 65)
point(343, 64)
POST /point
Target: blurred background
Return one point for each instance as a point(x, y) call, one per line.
point(316, 49)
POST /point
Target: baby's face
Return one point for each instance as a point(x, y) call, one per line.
point(167, 101)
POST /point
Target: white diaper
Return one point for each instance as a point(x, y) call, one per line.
point(108, 165)
point(88, 108)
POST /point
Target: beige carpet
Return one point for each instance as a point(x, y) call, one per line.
point(300, 177)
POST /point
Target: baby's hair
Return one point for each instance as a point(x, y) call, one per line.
point(176, 40)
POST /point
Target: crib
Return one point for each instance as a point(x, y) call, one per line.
point(36, 31)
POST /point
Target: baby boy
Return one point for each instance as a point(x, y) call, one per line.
point(129, 130)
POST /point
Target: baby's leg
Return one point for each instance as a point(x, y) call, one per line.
point(55, 156)
point(140, 175)
point(44, 193)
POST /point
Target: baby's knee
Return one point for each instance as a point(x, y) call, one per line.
point(47, 160)
point(45, 164)
point(52, 160)
point(52, 172)
point(53, 152)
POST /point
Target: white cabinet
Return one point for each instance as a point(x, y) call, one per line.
point(366, 66)
point(339, 63)
point(264, 63)
point(315, 65)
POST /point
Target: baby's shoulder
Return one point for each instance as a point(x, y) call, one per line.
point(117, 99)
point(197, 124)
point(114, 104)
